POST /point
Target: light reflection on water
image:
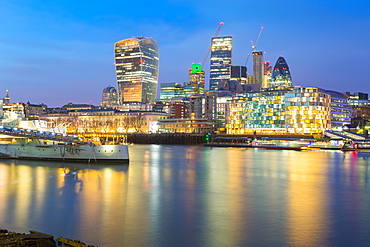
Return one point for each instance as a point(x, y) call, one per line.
point(194, 196)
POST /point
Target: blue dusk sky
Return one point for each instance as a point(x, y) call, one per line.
point(56, 52)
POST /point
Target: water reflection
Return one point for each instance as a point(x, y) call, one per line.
point(194, 196)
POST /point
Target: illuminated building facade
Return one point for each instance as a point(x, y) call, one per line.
point(256, 110)
point(136, 61)
point(189, 89)
point(221, 53)
point(307, 110)
point(281, 77)
point(265, 109)
point(235, 119)
point(197, 77)
point(358, 98)
point(340, 110)
point(267, 72)
point(170, 90)
point(109, 97)
point(239, 73)
point(302, 110)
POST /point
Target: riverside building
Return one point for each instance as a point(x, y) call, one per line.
point(136, 61)
point(298, 110)
point(340, 110)
point(264, 110)
point(308, 110)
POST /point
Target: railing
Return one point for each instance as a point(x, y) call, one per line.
point(335, 135)
point(353, 135)
point(35, 134)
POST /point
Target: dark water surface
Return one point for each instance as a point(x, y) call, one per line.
point(194, 196)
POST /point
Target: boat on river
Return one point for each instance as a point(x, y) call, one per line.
point(356, 146)
point(265, 143)
point(33, 139)
point(65, 152)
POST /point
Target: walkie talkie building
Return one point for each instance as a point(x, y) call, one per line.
point(136, 61)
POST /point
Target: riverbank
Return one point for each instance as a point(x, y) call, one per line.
point(35, 239)
point(174, 138)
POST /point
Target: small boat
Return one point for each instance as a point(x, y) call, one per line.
point(262, 144)
point(356, 146)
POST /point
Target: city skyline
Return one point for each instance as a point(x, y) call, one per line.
point(55, 53)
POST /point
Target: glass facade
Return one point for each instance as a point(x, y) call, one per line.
point(170, 90)
point(221, 53)
point(358, 98)
point(281, 77)
point(109, 97)
point(136, 61)
point(256, 110)
point(239, 73)
point(307, 110)
point(341, 111)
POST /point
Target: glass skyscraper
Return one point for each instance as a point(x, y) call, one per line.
point(136, 61)
point(281, 77)
point(221, 52)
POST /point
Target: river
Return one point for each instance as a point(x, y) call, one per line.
point(194, 196)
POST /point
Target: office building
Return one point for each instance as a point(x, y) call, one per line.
point(281, 77)
point(170, 90)
point(340, 110)
point(220, 67)
point(256, 110)
point(267, 73)
point(196, 77)
point(109, 97)
point(357, 98)
point(257, 67)
point(136, 61)
point(307, 110)
point(239, 73)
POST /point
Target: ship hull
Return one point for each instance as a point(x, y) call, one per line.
point(85, 153)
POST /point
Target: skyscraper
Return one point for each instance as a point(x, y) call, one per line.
point(239, 73)
point(221, 52)
point(281, 74)
point(257, 66)
point(136, 61)
point(197, 77)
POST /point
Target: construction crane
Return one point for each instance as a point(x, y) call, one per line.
point(209, 50)
point(254, 44)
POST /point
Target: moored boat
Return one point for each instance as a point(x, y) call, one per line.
point(66, 152)
point(33, 139)
point(356, 146)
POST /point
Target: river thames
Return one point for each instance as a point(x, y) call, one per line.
point(194, 196)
